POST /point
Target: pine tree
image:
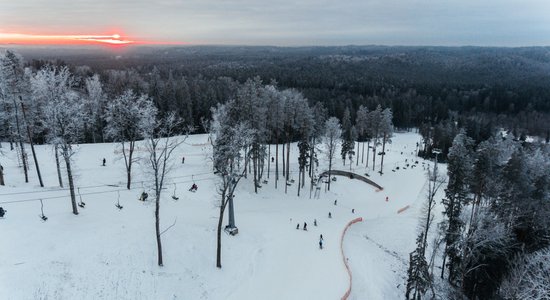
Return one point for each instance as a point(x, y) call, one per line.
point(457, 192)
point(418, 275)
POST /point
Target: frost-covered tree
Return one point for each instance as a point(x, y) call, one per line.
point(229, 137)
point(63, 117)
point(127, 118)
point(331, 138)
point(160, 143)
point(418, 275)
point(96, 102)
point(528, 278)
point(13, 86)
point(456, 197)
point(374, 122)
point(361, 126)
point(386, 131)
point(348, 143)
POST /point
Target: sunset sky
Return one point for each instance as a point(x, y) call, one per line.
point(277, 22)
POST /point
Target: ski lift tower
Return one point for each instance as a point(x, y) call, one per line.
point(231, 228)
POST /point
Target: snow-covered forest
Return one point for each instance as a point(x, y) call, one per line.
point(113, 186)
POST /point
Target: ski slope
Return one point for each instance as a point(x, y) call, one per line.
point(107, 253)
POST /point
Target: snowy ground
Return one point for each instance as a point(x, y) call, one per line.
point(104, 253)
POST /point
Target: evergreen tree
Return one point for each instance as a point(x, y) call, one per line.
point(418, 275)
point(456, 196)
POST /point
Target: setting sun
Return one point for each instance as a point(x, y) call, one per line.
point(34, 39)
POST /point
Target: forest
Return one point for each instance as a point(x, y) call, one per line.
point(485, 110)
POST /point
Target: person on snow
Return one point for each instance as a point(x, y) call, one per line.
point(144, 196)
point(321, 242)
point(298, 226)
point(194, 187)
point(329, 215)
point(104, 161)
point(182, 159)
point(314, 222)
point(335, 202)
point(305, 226)
point(2, 212)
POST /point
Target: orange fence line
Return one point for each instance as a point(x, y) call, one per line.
point(346, 295)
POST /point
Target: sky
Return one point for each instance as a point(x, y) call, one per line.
point(279, 22)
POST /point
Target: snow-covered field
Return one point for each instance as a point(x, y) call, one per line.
point(106, 253)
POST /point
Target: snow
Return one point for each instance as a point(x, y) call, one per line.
point(106, 253)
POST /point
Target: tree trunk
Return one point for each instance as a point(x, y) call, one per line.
point(368, 151)
point(283, 157)
point(363, 152)
point(29, 133)
point(20, 140)
point(219, 233)
point(156, 169)
point(329, 172)
point(70, 179)
point(219, 241)
point(59, 178)
point(129, 164)
point(357, 160)
point(288, 160)
point(157, 229)
point(383, 154)
point(276, 162)
point(245, 162)
point(255, 167)
point(2, 175)
point(373, 154)
point(299, 181)
point(268, 159)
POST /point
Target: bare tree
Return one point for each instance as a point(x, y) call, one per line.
point(160, 144)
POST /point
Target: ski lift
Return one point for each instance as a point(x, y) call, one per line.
point(42, 216)
point(118, 201)
point(194, 187)
point(174, 194)
point(81, 204)
point(143, 195)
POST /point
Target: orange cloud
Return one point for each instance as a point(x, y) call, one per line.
point(38, 39)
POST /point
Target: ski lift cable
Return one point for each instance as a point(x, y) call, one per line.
point(94, 193)
point(91, 186)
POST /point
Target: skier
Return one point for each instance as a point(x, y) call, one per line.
point(353, 210)
point(335, 201)
point(272, 159)
point(321, 242)
point(194, 188)
point(305, 226)
point(314, 222)
point(298, 226)
point(329, 215)
point(2, 212)
point(182, 160)
point(104, 161)
point(387, 198)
